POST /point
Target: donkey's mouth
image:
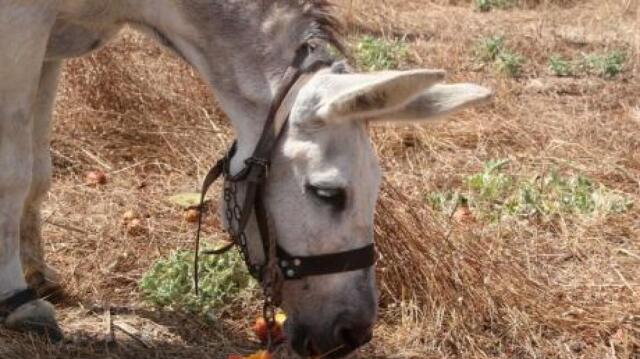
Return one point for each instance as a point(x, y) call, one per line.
point(304, 346)
point(338, 352)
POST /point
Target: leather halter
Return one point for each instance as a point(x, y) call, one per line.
point(254, 176)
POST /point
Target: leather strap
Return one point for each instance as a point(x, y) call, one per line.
point(17, 300)
point(299, 267)
point(212, 176)
point(259, 163)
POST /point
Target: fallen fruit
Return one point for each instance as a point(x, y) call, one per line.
point(128, 216)
point(281, 318)
point(191, 215)
point(263, 354)
point(463, 215)
point(260, 328)
point(135, 227)
point(95, 178)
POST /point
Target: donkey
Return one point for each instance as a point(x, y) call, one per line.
point(324, 177)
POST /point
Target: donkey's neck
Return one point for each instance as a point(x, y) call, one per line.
point(242, 48)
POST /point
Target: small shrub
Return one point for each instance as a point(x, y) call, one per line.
point(376, 54)
point(483, 5)
point(607, 65)
point(489, 48)
point(488, 5)
point(510, 63)
point(493, 49)
point(491, 183)
point(446, 201)
point(560, 67)
point(169, 283)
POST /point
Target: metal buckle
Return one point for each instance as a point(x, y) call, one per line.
point(260, 162)
point(257, 161)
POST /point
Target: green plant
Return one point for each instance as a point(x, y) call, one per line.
point(491, 183)
point(493, 49)
point(488, 5)
point(607, 65)
point(560, 67)
point(376, 54)
point(483, 5)
point(445, 201)
point(579, 195)
point(509, 63)
point(491, 194)
point(169, 283)
point(489, 48)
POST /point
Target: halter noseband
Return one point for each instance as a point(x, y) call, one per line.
point(279, 265)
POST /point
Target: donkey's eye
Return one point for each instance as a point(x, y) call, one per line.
point(336, 197)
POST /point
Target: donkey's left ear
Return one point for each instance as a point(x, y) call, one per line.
point(365, 96)
point(437, 101)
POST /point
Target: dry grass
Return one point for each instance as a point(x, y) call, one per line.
point(564, 288)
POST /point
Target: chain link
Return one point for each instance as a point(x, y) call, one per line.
point(266, 273)
point(233, 213)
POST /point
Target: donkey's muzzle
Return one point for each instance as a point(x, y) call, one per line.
point(346, 334)
point(353, 335)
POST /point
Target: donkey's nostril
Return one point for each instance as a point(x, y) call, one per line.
point(354, 336)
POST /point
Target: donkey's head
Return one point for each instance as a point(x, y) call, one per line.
point(323, 187)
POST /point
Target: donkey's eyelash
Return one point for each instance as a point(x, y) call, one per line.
point(336, 197)
point(326, 192)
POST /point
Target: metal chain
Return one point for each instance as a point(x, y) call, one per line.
point(270, 274)
point(272, 285)
point(233, 213)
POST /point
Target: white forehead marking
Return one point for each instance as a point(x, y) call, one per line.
point(299, 149)
point(332, 177)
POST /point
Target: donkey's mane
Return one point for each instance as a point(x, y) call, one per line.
point(321, 23)
point(324, 23)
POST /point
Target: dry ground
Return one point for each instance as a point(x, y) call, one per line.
point(565, 288)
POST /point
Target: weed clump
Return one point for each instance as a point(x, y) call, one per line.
point(560, 67)
point(492, 195)
point(510, 63)
point(488, 5)
point(490, 47)
point(493, 50)
point(376, 54)
point(169, 283)
point(604, 65)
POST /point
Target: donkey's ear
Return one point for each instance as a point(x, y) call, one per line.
point(437, 101)
point(365, 96)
